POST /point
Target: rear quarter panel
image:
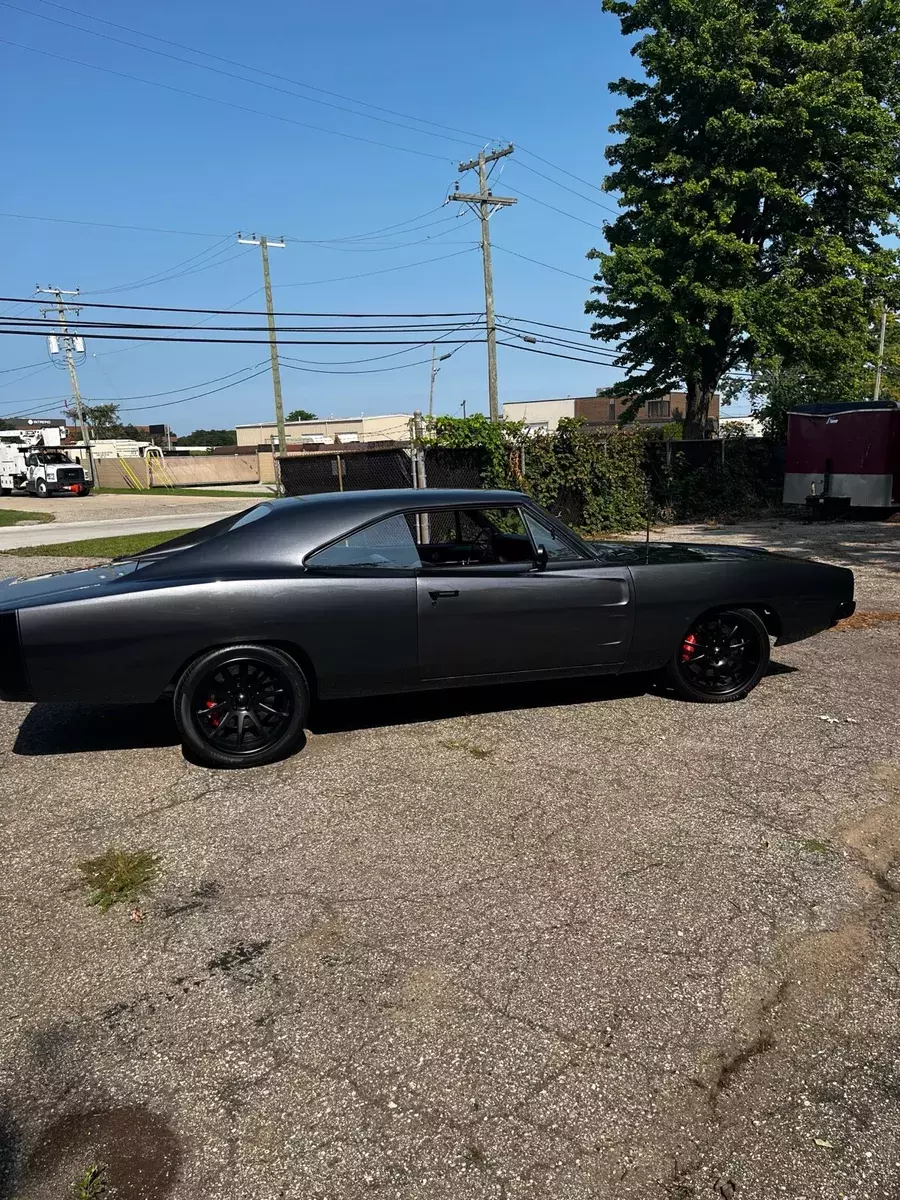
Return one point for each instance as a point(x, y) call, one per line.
point(670, 596)
point(128, 646)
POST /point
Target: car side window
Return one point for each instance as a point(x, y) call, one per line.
point(385, 546)
point(471, 537)
point(558, 549)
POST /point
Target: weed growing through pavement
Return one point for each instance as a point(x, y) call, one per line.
point(816, 846)
point(119, 876)
point(92, 1185)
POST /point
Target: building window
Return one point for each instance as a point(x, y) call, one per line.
point(612, 410)
point(657, 410)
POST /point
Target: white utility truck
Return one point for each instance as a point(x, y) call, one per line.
point(35, 463)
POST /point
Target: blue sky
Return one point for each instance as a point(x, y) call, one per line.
point(98, 147)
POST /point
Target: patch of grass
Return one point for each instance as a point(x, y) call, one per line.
point(119, 876)
point(184, 491)
point(469, 748)
point(110, 547)
point(816, 846)
point(16, 516)
point(92, 1184)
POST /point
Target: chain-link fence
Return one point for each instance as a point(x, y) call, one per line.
point(346, 470)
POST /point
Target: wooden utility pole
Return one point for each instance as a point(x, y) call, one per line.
point(483, 204)
point(880, 365)
point(69, 341)
point(264, 244)
point(434, 374)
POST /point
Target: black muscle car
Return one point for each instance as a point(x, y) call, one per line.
point(246, 620)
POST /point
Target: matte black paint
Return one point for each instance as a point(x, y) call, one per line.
point(124, 633)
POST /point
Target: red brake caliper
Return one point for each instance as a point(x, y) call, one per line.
point(688, 647)
point(213, 720)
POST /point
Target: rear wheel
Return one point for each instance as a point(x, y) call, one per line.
point(242, 706)
point(722, 657)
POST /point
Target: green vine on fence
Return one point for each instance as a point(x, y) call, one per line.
point(610, 481)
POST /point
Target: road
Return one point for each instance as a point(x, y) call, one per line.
point(77, 531)
point(579, 941)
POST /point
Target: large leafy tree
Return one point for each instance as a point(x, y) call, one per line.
point(757, 164)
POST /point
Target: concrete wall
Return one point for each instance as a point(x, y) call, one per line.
point(111, 473)
point(183, 472)
point(266, 466)
point(539, 412)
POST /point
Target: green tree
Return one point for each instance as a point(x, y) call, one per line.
point(101, 419)
point(301, 414)
point(209, 437)
point(757, 163)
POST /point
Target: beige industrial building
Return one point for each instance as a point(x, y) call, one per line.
point(543, 416)
point(392, 427)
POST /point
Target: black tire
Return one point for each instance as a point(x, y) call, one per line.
point(42, 490)
point(721, 658)
point(228, 703)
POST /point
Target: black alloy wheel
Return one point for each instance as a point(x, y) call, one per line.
point(242, 706)
point(721, 658)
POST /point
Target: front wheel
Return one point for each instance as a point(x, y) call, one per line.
point(241, 706)
point(722, 657)
point(42, 490)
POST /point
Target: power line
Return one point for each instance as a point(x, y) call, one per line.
point(199, 395)
point(217, 249)
point(170, 403)
point(553, 354)
point(546, 325)
point(11, 382)
point(29, 323)
point(384, 271)
point(377, 370)
point(256, 312)
point(256, 112)
point(545, 161)
point(565, 187)
point(271, 75)
point(108, 225)
point(137, 337)
point(553, 207)
point(9, 370)
point(155, 395)
point(538, 263)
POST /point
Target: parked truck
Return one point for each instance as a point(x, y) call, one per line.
point(35, 463)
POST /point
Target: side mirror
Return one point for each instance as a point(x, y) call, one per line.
point(541, 558)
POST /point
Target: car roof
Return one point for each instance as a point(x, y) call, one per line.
point(295, 526)
point(390, 499)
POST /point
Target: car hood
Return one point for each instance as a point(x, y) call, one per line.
point(61, 585)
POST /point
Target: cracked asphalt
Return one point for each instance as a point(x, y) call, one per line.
point(560, 941)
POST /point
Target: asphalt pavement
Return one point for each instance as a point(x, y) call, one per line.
point(574, 942)
point(32, 534)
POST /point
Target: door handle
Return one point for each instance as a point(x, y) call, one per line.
point(435, 596)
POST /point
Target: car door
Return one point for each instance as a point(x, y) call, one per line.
point(357, 616)
point(573, 615)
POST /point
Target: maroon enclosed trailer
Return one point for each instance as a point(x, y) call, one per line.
point(848, 453)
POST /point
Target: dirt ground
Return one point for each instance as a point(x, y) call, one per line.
point(563, 941)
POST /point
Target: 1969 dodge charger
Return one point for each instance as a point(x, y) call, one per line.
point(245, 621)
